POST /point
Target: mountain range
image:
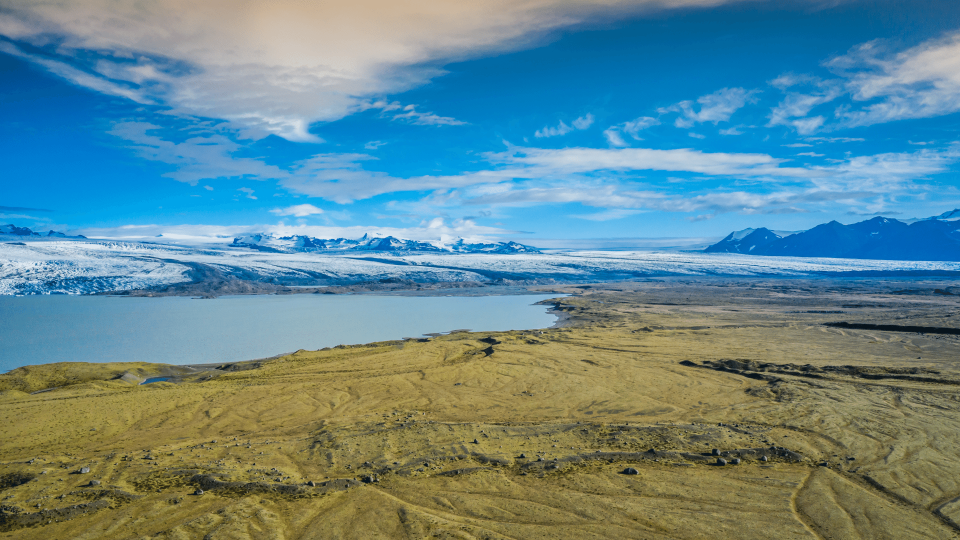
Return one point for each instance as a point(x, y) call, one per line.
point(13, 230)
point(932, 239)
point(298, 244)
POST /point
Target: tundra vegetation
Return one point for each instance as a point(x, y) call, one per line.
point(691, 408)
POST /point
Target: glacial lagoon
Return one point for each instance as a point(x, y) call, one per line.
point(178, 330)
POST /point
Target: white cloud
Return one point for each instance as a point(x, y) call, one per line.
point(716, 107)
point(542, 162)
point(208, 188)
point(810, 154)
point(426, 118)
point(584, 121)
point(249, 192)
point(806, 126)
point(598, 177)
point(373, 145)
point(796, 105)
point(631, 127)
point(920, 82)
point(197, 158)
point(562, 128)
point(614, 138)
point(835, 139)
point(887, 172)
point(696, 135)
point(278, 67)
point(548, 131)
point(298, 210)
point(609, 214)
point(558, 177)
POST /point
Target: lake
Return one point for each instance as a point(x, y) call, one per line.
point(179, 330)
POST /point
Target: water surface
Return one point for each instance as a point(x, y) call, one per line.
point(178, 330)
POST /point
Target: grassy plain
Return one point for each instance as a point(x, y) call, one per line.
point(842, 433)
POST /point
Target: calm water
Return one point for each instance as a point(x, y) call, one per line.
point(176, 330)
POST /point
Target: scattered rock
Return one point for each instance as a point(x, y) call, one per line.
point(94, 483)
point(763, 458)
point(523, 456)
point(721, 461)
point(630, 470)
point(84, 470)
point(735, 461)
point(312, 483)
point(715, 452)
point(475, 441)
point(198, 492)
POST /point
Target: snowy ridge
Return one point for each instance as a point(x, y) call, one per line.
point(301, 244)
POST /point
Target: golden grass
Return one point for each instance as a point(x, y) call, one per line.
point(406, 414)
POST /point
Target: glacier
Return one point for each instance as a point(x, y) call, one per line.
point(52, 265)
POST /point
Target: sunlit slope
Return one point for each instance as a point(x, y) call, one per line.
point(421, 439)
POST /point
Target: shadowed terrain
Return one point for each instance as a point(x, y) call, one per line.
point(612, 425)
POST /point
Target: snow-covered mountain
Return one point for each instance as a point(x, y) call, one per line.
point(24, 232)
point(932, 239)
point(301, 244)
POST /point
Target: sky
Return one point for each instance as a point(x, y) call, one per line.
point(549, 122)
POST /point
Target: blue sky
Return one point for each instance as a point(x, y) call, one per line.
point(537, 121)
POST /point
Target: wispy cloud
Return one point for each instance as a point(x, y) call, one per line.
point(562, 128)
point(797, 104)
point(411, 113)
point(278, 68)
point(882, 86)
point(22, 209)
point(716, 107)
point(298, 210)
point(921, 82)
point(204, 157)
point(631, 128)
point(425, 230)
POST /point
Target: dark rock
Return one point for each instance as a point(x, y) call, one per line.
point(198, 492)
point(84, 470)
point(94, 483)
point(763, 458)
point(523, 456)
point(715, 452)
point(721, 461)
point(735, 461)
point(630, 470)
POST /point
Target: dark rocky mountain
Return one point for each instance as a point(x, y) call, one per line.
point(13, 230)
point(932, 239)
